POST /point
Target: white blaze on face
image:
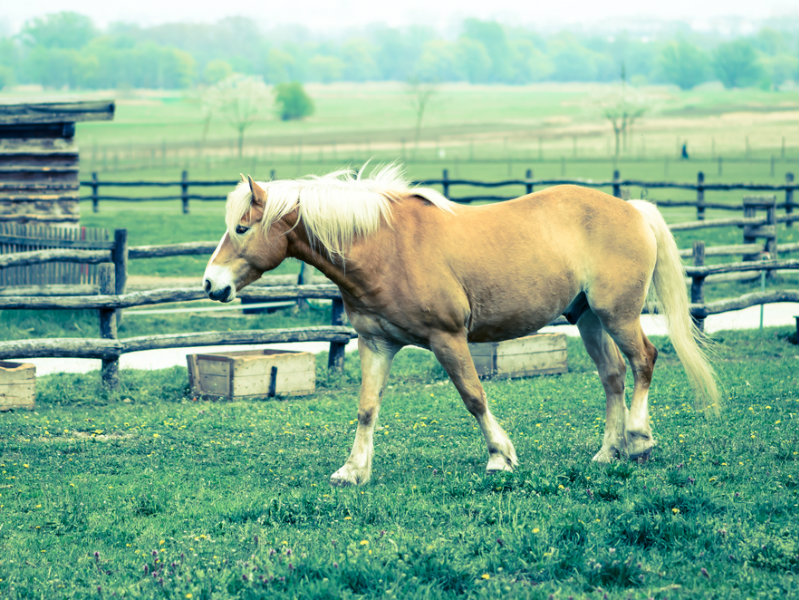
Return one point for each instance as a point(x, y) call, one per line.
point(218, 279)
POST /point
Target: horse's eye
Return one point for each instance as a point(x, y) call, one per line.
point(241, 229)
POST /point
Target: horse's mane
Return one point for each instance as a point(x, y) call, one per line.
point(335, 208)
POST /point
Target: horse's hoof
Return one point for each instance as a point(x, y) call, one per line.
point(340, 482)
point(606, 456)
point(643, 457)
point(347, 476)
point(497, 462)
point(639, 446)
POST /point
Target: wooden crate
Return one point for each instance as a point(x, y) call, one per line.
point(252, 374)
point(539, 354)
point(17, 385)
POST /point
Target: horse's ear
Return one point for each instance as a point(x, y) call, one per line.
point(258, 193)
point(243, 177)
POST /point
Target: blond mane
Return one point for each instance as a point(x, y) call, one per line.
point(335, 208)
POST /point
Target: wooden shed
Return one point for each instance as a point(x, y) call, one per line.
point(39, 160)
point(39, 188)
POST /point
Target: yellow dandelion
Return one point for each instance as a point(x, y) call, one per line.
point(485, 576)
point(675, 510)
point(364, 542)
point(536, 530)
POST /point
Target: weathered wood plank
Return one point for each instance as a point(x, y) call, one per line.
point(37, 257)
point(56, 112)
point(17, 385)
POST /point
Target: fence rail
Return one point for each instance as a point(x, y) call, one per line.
point(528, 185)
point(109, 296)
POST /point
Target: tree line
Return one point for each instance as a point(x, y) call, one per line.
point(67, 50)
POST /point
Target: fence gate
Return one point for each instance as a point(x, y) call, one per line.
point(15, 237)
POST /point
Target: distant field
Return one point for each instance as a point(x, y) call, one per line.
point(524, 124)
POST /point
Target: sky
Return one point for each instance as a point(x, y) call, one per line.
point(439, 14)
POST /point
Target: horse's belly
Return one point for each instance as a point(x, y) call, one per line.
point(497, 330)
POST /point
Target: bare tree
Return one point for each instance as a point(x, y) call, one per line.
point(421, 93)
point(622, 109)
point(239, 100)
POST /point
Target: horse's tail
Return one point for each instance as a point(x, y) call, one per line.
point(669, 283)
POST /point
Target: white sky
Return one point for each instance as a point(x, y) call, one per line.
point(440, 14)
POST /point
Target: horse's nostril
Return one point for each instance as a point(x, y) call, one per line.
point(207, 285)
point(226, 292)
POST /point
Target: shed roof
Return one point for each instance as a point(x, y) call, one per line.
point(55, 112)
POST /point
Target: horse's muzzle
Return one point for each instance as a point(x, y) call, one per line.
point(220, 295)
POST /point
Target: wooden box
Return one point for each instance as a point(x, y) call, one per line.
point(539, 354)
point(252, 374)
point(17, 385)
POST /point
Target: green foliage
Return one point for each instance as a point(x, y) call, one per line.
point(149, 493)
point(293, 101)
point(735, 64)
point(63, 30)
point(217, 70)
point(485, 51)
point(684, 64)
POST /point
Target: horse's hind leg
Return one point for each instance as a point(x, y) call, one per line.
point(452, 351)
point(642, 356)
point(610, 365)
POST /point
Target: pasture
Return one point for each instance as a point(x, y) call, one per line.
point(149, 493)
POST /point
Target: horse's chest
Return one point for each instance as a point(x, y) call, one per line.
point(372, 325)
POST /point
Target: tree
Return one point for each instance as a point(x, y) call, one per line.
point(493, 38)
point(65, 30)
point(217, 70)
point(736, 65)
point(683, 64)
point(292, 101)
point(421, 93)
point(622, 110)
point(239, 100)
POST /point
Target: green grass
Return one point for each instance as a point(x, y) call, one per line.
point(148, 493)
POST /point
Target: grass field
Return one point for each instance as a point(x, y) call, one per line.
point(149, 493)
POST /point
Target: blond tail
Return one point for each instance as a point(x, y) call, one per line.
point(669, 283)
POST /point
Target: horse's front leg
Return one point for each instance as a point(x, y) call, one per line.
point(376, 356)
point(452, 351)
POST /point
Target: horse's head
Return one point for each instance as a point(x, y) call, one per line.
point(249, 247)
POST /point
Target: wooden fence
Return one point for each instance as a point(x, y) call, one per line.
point(527, 185)
point(109, 297)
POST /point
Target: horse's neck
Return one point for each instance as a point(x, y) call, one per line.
point(333, 268)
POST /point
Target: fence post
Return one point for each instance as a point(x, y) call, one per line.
point(184, 191)
point(109, 371)
point(95, 195)
point(445, 183)
point(528, 186)
point(119, 255)
point(697, 283)
point(616, 183)
point(700, 196)
point(301, 280)
point(789, 198)
point(335, 359)
point(768, 231)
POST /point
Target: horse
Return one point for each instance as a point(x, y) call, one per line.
point(415, 268)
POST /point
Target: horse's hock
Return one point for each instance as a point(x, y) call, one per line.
point(539, 354)
point(252, 374)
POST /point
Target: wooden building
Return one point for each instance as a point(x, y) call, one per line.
point(39, 187)
point(39, 160)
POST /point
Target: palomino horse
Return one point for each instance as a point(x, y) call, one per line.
point(416, 268)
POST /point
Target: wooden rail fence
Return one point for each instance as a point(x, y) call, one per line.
point(528, 185)
point(109, 296)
